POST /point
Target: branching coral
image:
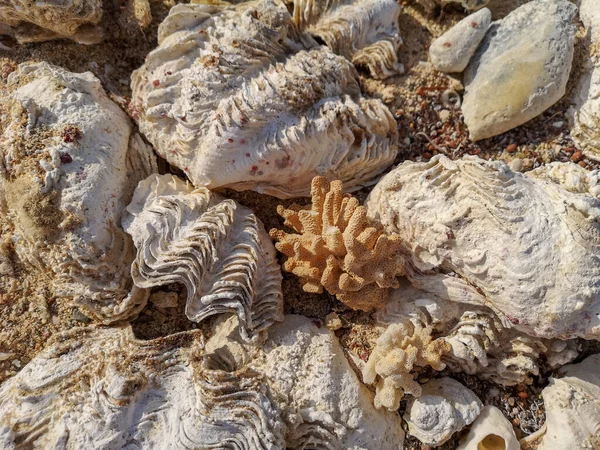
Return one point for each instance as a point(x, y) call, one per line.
point(401, 348)
point(335, 247)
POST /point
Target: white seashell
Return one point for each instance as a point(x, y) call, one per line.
point(101, 388)
point(217, 248)
point(572, 406)
point(490, 431)
point(364, 31)
point(78, 20)
point(445, 407)
point(525, 246)
point(238, 97)
point(586, 112)
point(71, 161)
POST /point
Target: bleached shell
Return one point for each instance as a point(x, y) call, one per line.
point(490, 431)
point(101, 388)
point(325, 404)
point(238, 97)
point(445, 407)
point(586, 111)
point(364, 31)
point(217, 248)
point(572, 405)
point(71, 161)
point(527, 246)
point(41, 21)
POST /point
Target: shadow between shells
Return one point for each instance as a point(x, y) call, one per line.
point(386, 297)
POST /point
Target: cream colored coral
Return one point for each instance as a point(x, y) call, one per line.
point(335, 248)
point(401, 348)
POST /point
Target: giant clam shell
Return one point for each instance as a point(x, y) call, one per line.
point(572, 406)
point(102, 388)
point(526, 246)
point(364, 31)
point(217, 248)
point(70, 162)
point(237, 96)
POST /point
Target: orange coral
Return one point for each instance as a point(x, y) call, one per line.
point(336, 249)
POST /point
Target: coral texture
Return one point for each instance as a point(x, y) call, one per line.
point(524, 245)
point(215, 247)
point(364, 31)
point(70, 163)
point(237, 96)
point(335, 247)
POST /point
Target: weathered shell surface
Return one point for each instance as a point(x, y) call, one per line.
point(238, 97)
point(572, 406)
point(586, 130)
point(490, 431)
point(445, 407)
point(103, 389)
point(217, 248)
point(41, 21)
point(364, 31)
point(527, 246)
point(71, 161)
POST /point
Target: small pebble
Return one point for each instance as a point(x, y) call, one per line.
point(577, 156)
point(558, 124)
point(511, 401)
point(582, 164)
point(516, 165)
point(511, 148)
point(445, 115)
point(16, 363)
point(523, 395)
point(333, 321)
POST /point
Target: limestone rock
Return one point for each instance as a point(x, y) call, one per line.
point(445, 407)
point(452, 51)
point(586, 112)
point(520, 69)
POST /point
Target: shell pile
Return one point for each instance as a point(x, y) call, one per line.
point(451, 301)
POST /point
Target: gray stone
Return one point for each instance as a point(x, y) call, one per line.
point(520, 69)
point(452, 51)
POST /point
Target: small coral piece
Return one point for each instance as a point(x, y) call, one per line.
point(335, 248)
point(398, 350)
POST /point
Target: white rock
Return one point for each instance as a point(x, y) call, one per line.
point(445, 407)
point(524, 245)
point(452, 51)
point(218, 249)
point(572, 406)
point(71, 160)
point(586, 112)
point(237, 96)
point(521, 68)
point(490, 431)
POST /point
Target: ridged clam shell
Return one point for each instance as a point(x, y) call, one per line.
point(572, 405)
point(525, 245)
point(364, 31)
point(104, 389)
point(215, 247)
point(237, 96)
point(41, 21)
point(71, 161)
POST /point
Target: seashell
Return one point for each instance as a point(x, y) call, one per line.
point(572, 406)
point(71, 161)
point(215, 247)
point(445, 407)
point(102, 388)
point(364, 31)
point(336, 249)
point(586, 111)
point(525, 246)
point(490, 431)
point(237, 96)
point(78, 20)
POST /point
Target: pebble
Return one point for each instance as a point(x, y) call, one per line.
point(520, 69)
point(511, 401)
point(79, 317)
point(511, 148)
point(577, 156)
point(333, 321)
point(445, 115)
point(452, 51)
point(16, 363)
